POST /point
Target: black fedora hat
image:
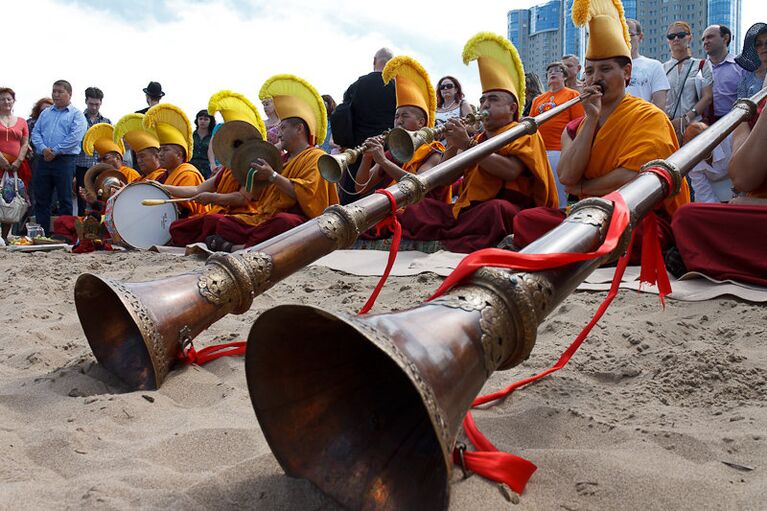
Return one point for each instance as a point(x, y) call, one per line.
point(154, 90)
point(748, 58)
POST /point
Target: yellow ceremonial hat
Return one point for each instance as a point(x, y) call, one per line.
point(608, 32)
point(500, 67)
point(131, 128)
point(295, 97)
point(236, 107)
point(99, 138)
point(172, 126)
point(413, 85)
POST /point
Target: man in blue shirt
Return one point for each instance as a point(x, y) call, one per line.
point(57, 137)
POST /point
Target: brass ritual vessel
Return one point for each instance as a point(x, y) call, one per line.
point(368, 408)
point(403, 143)
point(136, 330)
point(333, 166)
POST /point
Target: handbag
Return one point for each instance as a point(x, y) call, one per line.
point(12, 211)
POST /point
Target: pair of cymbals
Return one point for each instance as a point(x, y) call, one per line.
point(237, 144)
point(101, 176)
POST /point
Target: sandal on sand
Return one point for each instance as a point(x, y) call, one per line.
point(218, 244)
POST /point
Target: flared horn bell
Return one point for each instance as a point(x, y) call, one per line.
point(367, 408)
point(137, 330)
point(403, 143)
point(333, 166)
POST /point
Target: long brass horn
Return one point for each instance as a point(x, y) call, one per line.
point(333, 166)
point(403, 143)
point(368, 408)
point(136, 330)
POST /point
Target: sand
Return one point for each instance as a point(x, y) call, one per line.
point(661, 409)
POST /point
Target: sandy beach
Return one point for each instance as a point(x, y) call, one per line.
point(660, 409)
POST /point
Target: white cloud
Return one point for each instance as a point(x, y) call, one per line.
point(236, 44)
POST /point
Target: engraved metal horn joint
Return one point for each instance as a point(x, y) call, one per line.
point(592, 211)
point(413, 188)
point(519, 298)
point(531, 125)
point(341, 224)
point(235, 279)
point(671, 169)
point(748, 105)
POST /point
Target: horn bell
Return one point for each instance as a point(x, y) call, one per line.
point(367, 409)
point(403, 143)
point(333, 166)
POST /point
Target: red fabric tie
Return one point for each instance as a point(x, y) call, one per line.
point(208, 353)
point(392, 223)
point(487, 460)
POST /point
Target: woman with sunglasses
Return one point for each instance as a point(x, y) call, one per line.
point(686, 100)
point(450, 102)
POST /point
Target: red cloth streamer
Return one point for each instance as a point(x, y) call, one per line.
point(653, 266)
point(392, 223)
point(499, 258)
point(488, 461)
point(208, 353)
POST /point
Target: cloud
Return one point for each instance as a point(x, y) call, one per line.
point(198, 47)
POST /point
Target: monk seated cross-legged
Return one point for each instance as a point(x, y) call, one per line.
point(416, 107)
point(619, 134)
point(298, 193)
point(494, 190)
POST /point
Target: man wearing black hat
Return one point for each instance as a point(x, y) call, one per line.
point(153, 93)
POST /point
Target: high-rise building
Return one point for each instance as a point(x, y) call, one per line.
point(545, 32)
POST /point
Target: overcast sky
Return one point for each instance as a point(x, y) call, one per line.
point(198, 47)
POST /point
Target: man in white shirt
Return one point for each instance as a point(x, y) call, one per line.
point(709, 178)
point(648, 80)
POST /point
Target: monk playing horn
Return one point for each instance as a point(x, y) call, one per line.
point(99, 139)
point(516, 177)
point(416, 107)
point(619, 134)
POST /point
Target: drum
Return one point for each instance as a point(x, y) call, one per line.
point(134, 225)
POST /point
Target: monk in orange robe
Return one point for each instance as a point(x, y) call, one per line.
point(378, 168)
point(605, 149)
point(729, 241)
point(289, 199)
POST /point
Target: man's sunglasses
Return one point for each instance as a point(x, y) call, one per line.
point(676, 35)
point(446, 86)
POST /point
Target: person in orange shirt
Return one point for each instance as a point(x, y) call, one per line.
point(227, 198)
point(551, 131)
point(298, 193)
point(618, 135)
point(174, 132)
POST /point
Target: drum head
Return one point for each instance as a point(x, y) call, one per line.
point(142, 226)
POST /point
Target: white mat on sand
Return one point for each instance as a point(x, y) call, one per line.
point(691, 287)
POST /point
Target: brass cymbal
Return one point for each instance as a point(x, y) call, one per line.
point(229, 137)
point(96, 175)
point(251, 151)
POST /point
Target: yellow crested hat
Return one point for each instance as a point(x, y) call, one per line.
point(236, 107)
point(500, 67)
point(295, 97)
point(131, 128)
point(172, 126)
point(99, 138)
point(608, 32)
point(413, 85)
